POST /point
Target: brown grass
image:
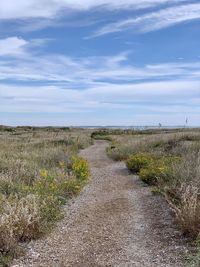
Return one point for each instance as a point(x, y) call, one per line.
point(39, 171)
point(179, 152)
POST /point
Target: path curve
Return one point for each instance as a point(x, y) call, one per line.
point(114, 222)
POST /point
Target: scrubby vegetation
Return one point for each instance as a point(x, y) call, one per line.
point(39, 172)
point(170, 162)
point(138, 161)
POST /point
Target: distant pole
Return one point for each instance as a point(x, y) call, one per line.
point(186, 122)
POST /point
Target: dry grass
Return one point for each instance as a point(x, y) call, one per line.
point(20, 220)
point(39, 171)
point(187, 209)
point(179, 153)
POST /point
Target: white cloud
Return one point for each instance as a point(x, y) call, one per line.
point(15, 46)
point(49, 8)
point(84, 72)
point(155, 92)
point(153, 21)
point(90, 84)
point(125, 4)
point(167, 102)
point(12, 46)
point(139, 96)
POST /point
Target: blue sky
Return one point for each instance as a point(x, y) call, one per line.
point(105, 62)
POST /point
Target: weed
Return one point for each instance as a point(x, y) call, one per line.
point(138, 161)
point(154, 173)
point(39, 172)
point(80, 168)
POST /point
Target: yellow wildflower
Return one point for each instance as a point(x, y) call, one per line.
point(44, 173)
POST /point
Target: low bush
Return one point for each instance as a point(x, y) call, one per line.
point(107, 132)
point(156, 190)
point(54, 189)
point(154, 173)
point(71, 188)
point(138, 161)
point(50, 208)
point(37, 206)
point(5, 260)
point(115, 153)
point(80, 168)
point(102, 137)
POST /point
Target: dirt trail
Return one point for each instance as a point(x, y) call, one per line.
point(114, 222)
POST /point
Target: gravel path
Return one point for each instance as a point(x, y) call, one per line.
point(115, 221)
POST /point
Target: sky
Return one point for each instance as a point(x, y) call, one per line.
point(105, 62)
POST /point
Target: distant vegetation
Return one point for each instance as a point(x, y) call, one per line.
point(39, 172)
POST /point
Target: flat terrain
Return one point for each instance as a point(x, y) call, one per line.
point(115, 221)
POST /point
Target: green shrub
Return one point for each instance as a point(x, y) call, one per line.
point(50, 209)
point(102, 137)
point(5, 260)
point(156, 190)
point(106, 132)
point(138, 161)
point(80, 168)
point(72, 188)
point(154, 173)
point(53, 190)
point(45, 185)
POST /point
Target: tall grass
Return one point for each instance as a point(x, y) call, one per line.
point(171, 162)
point(39, 172)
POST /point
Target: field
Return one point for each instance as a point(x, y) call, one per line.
point(39, 172)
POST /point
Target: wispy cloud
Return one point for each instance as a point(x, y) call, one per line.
point(48, 9)
point(92, 83)
point(149, 96)
point(33, 80)
point(153, 21)
point(82, 72)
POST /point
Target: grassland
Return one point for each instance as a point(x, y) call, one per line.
point(39, 171)
point(169, 162)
